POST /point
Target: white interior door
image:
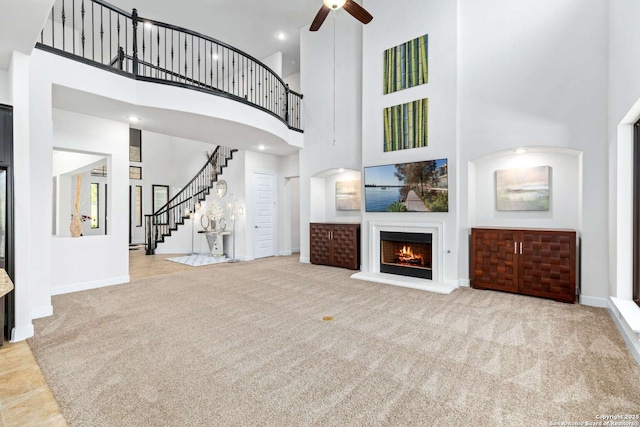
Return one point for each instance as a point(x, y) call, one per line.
point(264, 196)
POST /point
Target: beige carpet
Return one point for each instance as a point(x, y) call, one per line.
point(245, 344)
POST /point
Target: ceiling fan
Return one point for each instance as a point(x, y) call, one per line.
point(352, 8)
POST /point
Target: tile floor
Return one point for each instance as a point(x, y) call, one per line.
point(25, 397)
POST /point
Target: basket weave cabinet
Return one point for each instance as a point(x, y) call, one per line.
point(526, 261)
point(335, 244)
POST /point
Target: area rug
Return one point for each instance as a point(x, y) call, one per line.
point(246, 345)
point(198, 260)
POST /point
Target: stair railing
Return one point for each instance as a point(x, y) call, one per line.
point(166, 219)
point(105, 36)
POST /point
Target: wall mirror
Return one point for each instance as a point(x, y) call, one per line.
point(221, 188)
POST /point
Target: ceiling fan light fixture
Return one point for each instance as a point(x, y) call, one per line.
point(334, 4)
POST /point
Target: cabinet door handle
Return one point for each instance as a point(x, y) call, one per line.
point(515, 247)
point(520, 248)
point(329, 235)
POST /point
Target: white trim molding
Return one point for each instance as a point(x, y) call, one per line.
point(77, 287)
point(626, 316)
point(594, 301)
point(21, 334)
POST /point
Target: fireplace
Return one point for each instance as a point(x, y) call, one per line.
point(406, 254)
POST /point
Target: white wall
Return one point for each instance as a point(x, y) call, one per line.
point(564, 206)
point(316, 81)
point(624, 111)
point(31, 300)
point(534, 73)
point(293, 185)
point(438, 19)
point(293, 81)
point(5, 89)
point(332, 214)
point(82, 263)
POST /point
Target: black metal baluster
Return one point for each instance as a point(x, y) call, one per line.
point(217, 66)
point(110, 37)
point(101, 36)
point(63, 22)
point(144, 67)
point(93, 33)
point(158, 60)
point(42, 36)
point(82, 13)
point(119, 45)
point(199, 78)
point(252, 83)
point(126, 40)
point(172, 75)
point(233, 72)
point(53, 28)
point(134, 40)
point(185, 59)
point(73, 23)
point(192, 55)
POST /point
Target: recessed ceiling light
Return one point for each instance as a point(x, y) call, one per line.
point(281, 36)
point(215, 56)
point(147, 24)
point(341, 170)
point(134, 119)
point(261, 147)
point(521, 151)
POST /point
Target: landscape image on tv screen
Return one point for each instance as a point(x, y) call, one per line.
point(407, 187)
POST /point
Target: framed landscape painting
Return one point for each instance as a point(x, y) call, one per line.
point(348, 195)
point(406, 126)
point(406, 65)
point(523, 189)
point(407, 187)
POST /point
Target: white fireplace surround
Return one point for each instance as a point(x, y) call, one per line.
point(436, 284)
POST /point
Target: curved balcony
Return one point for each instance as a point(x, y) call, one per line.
point(100, 34)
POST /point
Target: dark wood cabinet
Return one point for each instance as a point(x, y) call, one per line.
point(335, 244)
point(526, 261)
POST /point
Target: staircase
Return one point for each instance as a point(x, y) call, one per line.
point(169, 217)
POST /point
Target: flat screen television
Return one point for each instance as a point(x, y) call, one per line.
point(407, 187)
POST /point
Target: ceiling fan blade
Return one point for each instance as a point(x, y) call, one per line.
point(357, 11)
point(319, 19)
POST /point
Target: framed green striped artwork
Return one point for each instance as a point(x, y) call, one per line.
point(405, 125)
point(406, 65)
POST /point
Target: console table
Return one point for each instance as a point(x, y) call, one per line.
point(6, 286)
point(215, 241)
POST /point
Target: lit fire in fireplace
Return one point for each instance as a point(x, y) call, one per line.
point(407, 257)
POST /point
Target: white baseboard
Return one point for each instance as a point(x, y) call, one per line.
point(21, 334)
point(77, 287)
point(630, 338)
point(305, 259)
point(285, 253)
point(465, 283)
point(40, 312)
point(594, 301)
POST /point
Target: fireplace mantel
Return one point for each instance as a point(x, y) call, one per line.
point(437, 284)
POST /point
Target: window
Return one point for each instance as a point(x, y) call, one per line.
point(135, 145)
point(138, 206)
point(636, 213)
point(95, 205)
point(99, 171)
point(135, 172)
point(160, 197)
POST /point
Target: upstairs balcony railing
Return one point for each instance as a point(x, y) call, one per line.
point(103, 35)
